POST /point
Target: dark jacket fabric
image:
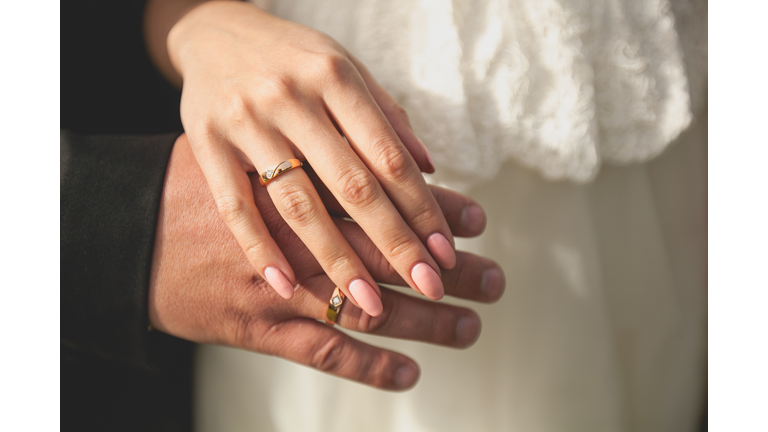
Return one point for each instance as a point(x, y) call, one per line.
point(108, 83)
point(119, 120)
point(115, 373)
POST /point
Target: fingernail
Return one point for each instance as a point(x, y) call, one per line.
point(366, 297)
point(429, 156)
point(467, 330)
point(279, 282)
point(473, 219)
point(441, 250)
point(405, 377)
point(492, 285)
point(427, 280)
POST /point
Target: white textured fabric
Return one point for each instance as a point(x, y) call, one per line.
point(558, 85)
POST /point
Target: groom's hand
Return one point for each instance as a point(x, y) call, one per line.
point(203, 288)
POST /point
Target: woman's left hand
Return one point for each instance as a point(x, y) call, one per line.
point(259, 90)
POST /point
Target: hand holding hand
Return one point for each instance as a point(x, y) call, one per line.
point(259, 90)
point(203, 289)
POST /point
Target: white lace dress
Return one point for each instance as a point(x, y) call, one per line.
point(549, 113)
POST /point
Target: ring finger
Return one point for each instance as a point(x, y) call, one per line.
point(404, 316)
point(300, 206)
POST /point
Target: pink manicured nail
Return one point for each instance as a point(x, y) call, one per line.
point(429, 156)
point(441, 250)
point(427, 280)
point(279, 282)
point(366, 297)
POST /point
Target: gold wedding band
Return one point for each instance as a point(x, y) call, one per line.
point(334, 306)
point(269, 174)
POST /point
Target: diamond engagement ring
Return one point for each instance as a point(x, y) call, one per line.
point(334, 305)
point(269, 174)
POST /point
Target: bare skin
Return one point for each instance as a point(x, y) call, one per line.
point(204, 289)
point(258, 90)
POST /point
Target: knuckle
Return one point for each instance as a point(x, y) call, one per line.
point(202, 131)
point(296, 205)
point(231, 208)
point(337, 264)
point(373, 325)
point(422, 215)
point(256, 248)
point(238, 108)
point(275, 92)
point(241, 326)
point(358, 187)
point(331, 65)
point(392, 161)
point(329, 355)
point(386, 269)
point(398, 111)
point(398, 246)
point(375, 369)
point(270, 339)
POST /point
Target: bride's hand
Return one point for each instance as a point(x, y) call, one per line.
point(259, 90)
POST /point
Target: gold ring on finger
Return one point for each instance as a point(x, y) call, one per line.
point(334, 306)
point(271, 173)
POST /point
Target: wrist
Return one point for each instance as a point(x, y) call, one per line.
point(160, 16)
point(200, 15)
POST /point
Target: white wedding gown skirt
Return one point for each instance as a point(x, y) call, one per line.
point(602, 326)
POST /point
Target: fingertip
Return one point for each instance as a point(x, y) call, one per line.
point(473, 220)
point(366, 297)
point(427, 280)
point(493, 284)
point(279, 282)
point(406, 376)
point(442, 250)
point(467, 330)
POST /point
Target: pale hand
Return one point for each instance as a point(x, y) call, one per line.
point(259, 90)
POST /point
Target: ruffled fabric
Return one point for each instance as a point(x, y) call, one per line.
point(557, 85)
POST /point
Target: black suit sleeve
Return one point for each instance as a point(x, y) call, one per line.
point(115, 374)
point(110, 198)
